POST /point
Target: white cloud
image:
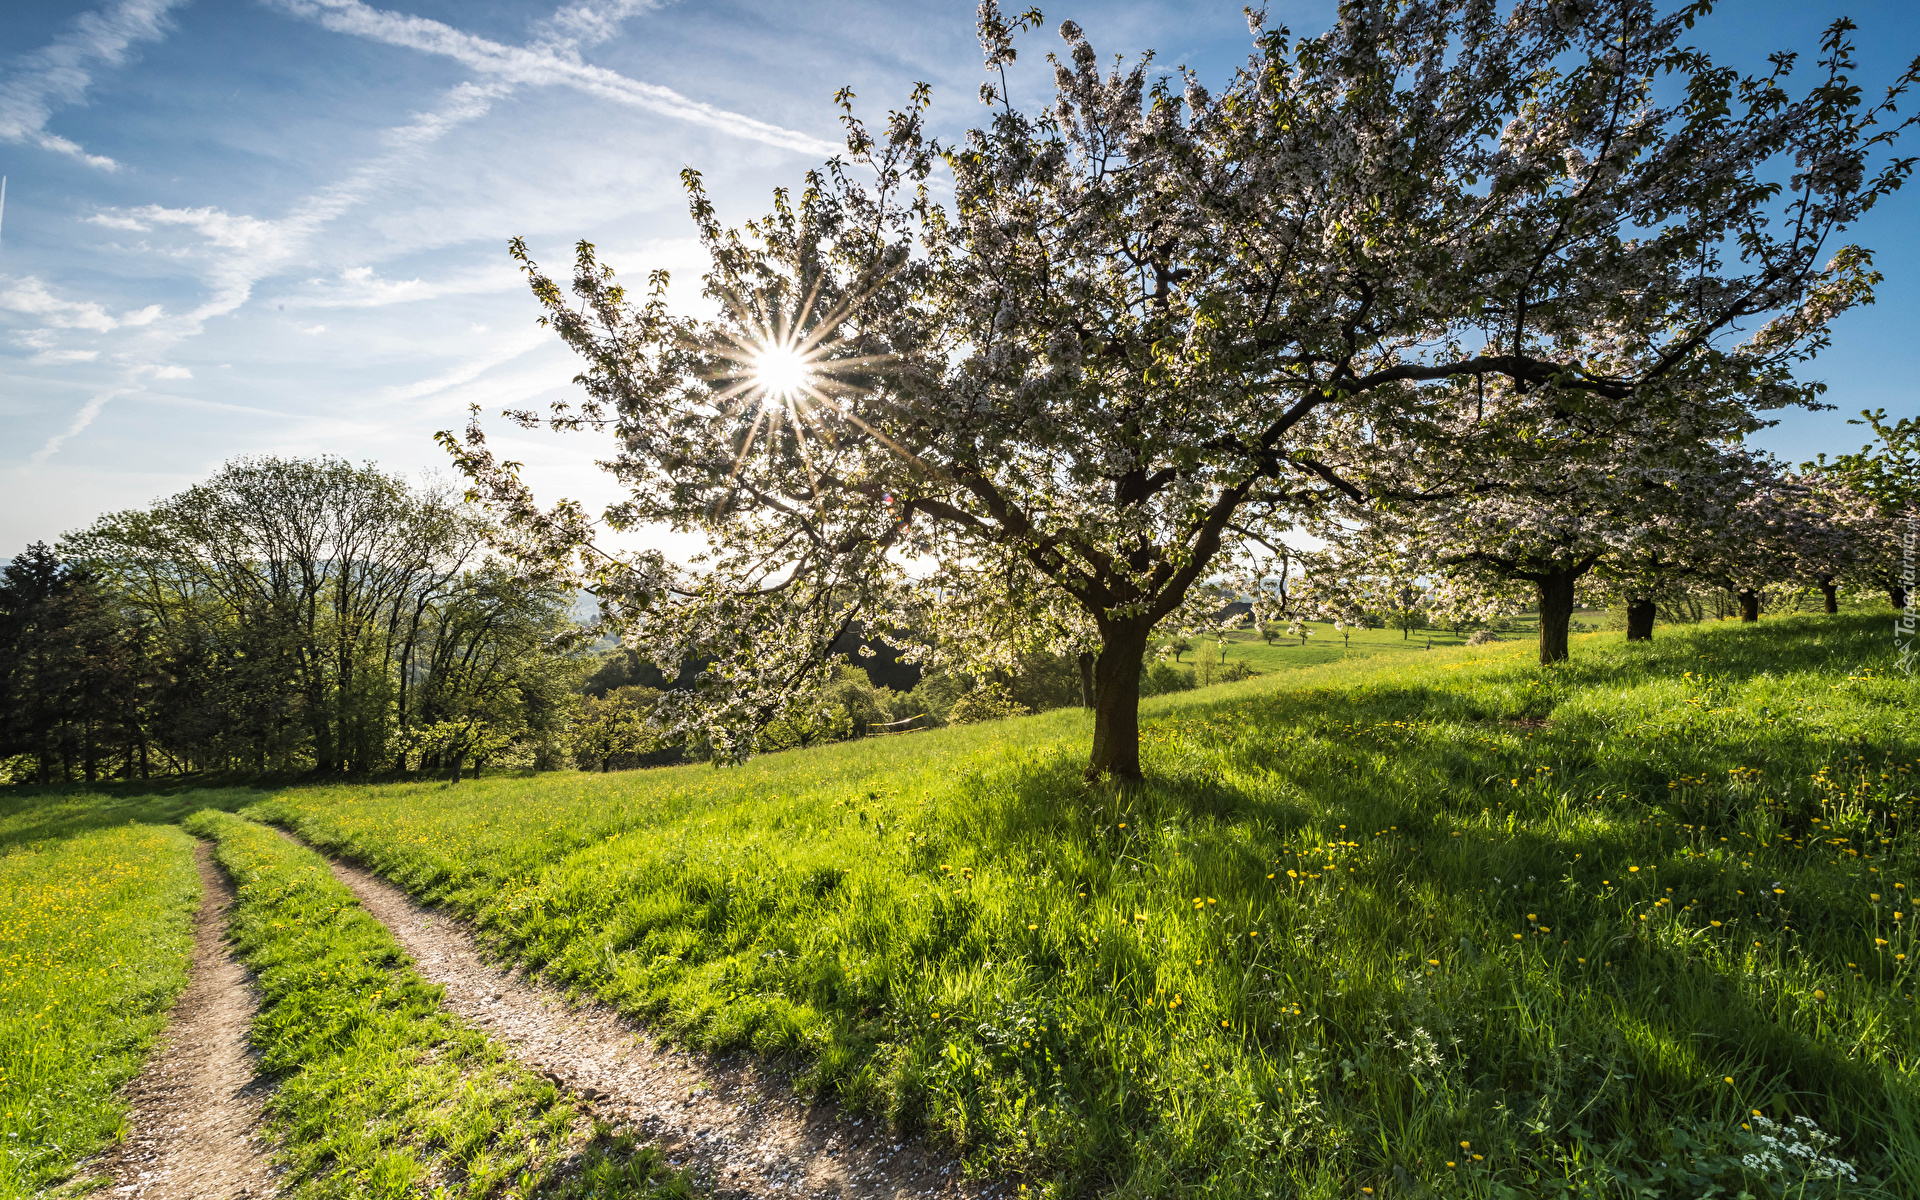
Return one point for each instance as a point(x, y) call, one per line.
point(59, 73)
point(216, 227)
point(57, 357)
point(471, 370)
point(359, 287)
point(313, 330)
point(586, 23)
point(542, 65)
point(240, 250)
point(81, 420)
point(29, 295)
point(168, 372)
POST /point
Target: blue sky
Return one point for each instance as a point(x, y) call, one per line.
point(279, 226)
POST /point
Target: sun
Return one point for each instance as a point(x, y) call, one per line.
point(781, 371)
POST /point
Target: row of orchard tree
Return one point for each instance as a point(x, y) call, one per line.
point(1504, 286)
point(1640, 527)
point(285, 615)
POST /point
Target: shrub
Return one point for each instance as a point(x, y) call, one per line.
point(1160, 677)
point(989, 702)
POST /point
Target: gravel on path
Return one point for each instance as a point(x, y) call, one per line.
point(737, 1126)
point(194, 1119)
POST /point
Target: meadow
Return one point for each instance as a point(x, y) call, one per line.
point(1446, 924)
point(96, 910)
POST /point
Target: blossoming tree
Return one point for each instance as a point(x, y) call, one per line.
point(1153, 323)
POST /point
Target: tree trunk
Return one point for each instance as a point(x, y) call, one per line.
point(1116, 702)
point(1749, 604)
point(1830, 592)
point(456, 768)
point(1086, 678)
point(1556, 612)
point(1640, 614)
point(1897, 595)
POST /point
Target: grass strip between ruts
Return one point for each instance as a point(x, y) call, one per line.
point(95, 936)
point(381, 1091)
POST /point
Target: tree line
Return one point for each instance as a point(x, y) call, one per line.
point(285, 615)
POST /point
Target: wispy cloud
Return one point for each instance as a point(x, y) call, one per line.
point(360, 287)
point(58, 74)
point(512, 348)
point(544, 63)
point(30, 296)
point(240, 250)
point(586, 23)
point(134, 384)
point(81, 420)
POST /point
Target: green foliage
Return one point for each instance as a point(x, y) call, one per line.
point(1046, 681)
point(988, 702)
point(285, 615)
point(934, 696)
point(378, 1087)
point(854, 694)
point(1342, 928)
point(613, 729)
point(1887, 474)
point(95, 937)
point(1158, 677)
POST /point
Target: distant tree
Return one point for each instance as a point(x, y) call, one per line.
point(1875, 492)
point(311, 613)
point(1179, 646)
point(617, 727)
point(72, 667)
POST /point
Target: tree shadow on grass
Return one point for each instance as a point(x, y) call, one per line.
point(1576, 830)
point(40, 815)
point(1522, 937)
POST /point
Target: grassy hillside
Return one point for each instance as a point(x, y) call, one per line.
point(1441, 922)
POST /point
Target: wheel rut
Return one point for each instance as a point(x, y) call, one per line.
point(737, 1126)
point(194, 1119)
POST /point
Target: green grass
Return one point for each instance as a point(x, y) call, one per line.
point(1348, 924)
point(379, 1090)
point(95, 937)
point(97, 895)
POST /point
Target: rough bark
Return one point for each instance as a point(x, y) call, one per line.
point(1556, 613)
point(1086, 678)
point(1116, 701)
point(1749, 604)
point(1640, 614)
